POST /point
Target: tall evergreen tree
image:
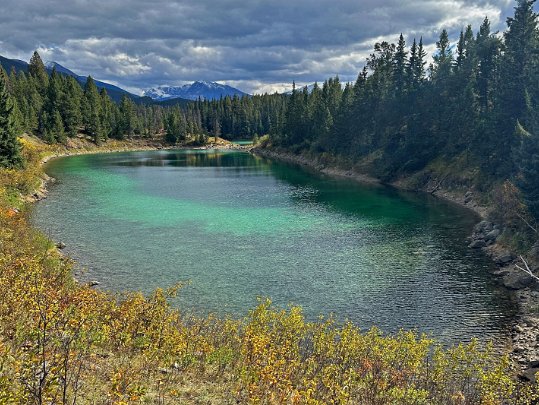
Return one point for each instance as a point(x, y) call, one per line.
point(10, 155)
point(36, 69)
point(92, 111)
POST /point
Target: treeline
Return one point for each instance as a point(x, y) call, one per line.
point(477, 102)
point(230, 117)
point(55, 106)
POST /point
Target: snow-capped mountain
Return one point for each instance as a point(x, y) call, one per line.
point(194, 91)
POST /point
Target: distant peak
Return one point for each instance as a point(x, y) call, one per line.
point(200, 89)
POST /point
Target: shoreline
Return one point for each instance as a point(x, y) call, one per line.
point(82, 146)
point(525, 328)
point(524, 352)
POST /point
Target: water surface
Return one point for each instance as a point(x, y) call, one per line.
point(239, 227)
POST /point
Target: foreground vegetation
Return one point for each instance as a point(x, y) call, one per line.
point(62, 342)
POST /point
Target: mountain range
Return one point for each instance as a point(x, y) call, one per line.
point(199, 89)
point(167, 95)
point(115, 92)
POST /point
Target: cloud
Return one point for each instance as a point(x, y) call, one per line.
point(257, 45)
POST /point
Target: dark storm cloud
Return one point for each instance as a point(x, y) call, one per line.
point(255, 44)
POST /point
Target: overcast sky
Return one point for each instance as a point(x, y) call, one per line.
point(255, 45)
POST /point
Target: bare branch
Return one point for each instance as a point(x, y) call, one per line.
point(527, 223)
point(526, 270)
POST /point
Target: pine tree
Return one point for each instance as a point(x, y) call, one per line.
point(399, 70)
point(36, 69)
point(71, 107)
point(10, 154)
point(128, 118)
point(443, 57)
point(51, 121)
point(92, 111)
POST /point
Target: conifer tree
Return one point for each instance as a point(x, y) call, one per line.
point(399, 70)
point(10, 155)
point(443, 57)
point(37, 70)
point(71, 107)
point(92, 111)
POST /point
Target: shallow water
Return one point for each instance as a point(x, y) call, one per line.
point(239, 227)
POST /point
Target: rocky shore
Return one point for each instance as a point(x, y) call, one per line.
point(485, 236)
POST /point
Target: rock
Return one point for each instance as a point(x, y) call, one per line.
point(492, 235)
point(517, 280)
point(500, 272)
point(468, 197)
point(519, 349)
point(484, 227)
point(93, 283)
point(518, 329)
point(504, 259)
point(478, 244)
point(61, 245)
point(529, 374)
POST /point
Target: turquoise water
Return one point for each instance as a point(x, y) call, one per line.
point(241, 227)
point(243, 142)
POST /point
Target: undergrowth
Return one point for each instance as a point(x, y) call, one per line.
point(62, 342)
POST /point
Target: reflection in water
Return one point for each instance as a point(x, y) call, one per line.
point(240, 227)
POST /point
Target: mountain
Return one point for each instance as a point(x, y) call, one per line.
point(116, 93)
point(194, 91)
point(16, 64)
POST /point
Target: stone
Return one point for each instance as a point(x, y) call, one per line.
point(93, 283)
point(484, 227)
point(61, 245)
point(529, 374)
point(504, 259)
point(478, 244)
point(517, 280)
point(493, 235)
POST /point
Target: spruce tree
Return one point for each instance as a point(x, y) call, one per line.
point(399, 70)
point(92, 111)
point(36, 69)
point(71, 107)
point(10, 153)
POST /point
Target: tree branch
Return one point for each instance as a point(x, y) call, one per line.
point(526, 270)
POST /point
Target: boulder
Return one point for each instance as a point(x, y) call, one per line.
point(478, 244)
point(61, 245)
point(484, 227)
point(492, 235)
point(93, 283)
point(504, 259)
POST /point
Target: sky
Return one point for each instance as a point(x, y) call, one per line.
point(255, 45)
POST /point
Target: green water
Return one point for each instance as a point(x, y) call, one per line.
point(239, 227)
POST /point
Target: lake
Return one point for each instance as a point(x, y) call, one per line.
point(241, 227)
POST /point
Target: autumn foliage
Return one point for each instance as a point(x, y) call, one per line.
point(62, 342)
